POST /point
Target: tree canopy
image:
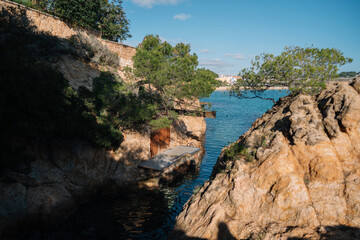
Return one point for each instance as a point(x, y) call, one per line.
point(171, 72)
point(84, 12)
point(113, 22)
point(302, 70)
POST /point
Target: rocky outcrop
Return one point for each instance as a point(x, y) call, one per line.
point(65, 174)
point(294, 175)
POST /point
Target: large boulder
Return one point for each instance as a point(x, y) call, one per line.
point(294, 175)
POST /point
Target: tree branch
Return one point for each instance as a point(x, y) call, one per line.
point(256, 96)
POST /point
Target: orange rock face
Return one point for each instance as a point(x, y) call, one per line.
point(298, 178)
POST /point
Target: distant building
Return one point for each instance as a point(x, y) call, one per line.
point(228, 79)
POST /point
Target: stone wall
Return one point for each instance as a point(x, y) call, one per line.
point(56, 27)
point(126, 52)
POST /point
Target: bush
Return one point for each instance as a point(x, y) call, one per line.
point(237, 150)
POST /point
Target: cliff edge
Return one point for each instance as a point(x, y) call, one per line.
point(294, 175)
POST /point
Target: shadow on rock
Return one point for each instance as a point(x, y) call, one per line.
point(340, 232)
point(223, 234)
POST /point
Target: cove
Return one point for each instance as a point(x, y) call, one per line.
point(133, 213)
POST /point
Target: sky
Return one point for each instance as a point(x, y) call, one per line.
point(227, 34)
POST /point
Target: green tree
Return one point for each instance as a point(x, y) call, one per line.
point(108, 16)
point(119, 104)
point(347, 74)
point(172, 69)
point(113, 22)
point(83, 12)
point(171, 72)
point(302, 70)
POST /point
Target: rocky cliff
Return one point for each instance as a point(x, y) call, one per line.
point(64, 174)
point(294, 175)
point(60, 173)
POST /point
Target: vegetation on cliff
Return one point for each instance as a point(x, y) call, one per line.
point(107, 16)
point(302, 70)
point(37, 101)
point(39, 105)
point(90, 49)
point(171, 73)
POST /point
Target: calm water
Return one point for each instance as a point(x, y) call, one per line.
point(144, 214)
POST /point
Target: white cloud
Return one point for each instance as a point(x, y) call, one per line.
point(237, 56)
point(151, 3)
point(182, 16)
point(205, 50)
point(218, 63)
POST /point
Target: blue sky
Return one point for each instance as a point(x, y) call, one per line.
point(227, 34)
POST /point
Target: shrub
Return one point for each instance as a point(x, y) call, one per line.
point(237, 150)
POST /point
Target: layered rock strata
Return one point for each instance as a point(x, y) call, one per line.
point(294, 175)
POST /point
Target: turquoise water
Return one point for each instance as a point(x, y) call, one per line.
point(144, 214)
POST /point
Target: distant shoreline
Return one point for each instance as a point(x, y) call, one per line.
point(270, 88)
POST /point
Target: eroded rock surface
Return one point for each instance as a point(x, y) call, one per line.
point(294, 174)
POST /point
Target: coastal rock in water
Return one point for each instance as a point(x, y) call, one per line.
point(294, 174)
